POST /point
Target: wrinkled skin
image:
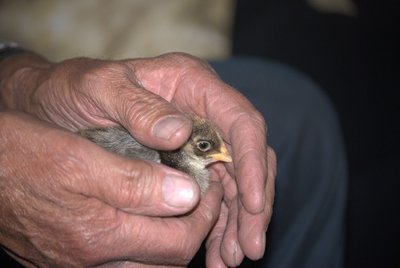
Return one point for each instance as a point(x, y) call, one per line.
point(64, 194)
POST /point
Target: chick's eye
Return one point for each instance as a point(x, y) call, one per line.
point(203, 145)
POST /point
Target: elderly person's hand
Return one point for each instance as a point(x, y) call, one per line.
point(148, 97)
point(65, 202)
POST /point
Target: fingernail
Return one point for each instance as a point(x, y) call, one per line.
point(168, 126)
point(178, 192)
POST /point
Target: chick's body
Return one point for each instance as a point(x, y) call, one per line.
point(205, 146)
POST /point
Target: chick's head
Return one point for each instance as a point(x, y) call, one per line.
point(205, 144)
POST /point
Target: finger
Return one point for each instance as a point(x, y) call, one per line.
point(252, 233)
point(253, 226)
point(149, 118)
point(91, 93)
point(214, 241)
point(231, 251)
point(111, 91)
point(169, 240)
point(248, 145)
point(134, 186)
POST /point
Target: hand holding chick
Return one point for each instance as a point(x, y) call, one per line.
point(204, 147)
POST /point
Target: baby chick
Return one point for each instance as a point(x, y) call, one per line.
point(204, 147)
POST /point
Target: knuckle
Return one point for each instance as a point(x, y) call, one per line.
point(188, 61)
point(134, 106)
point(272, 155)
point(259, 120)
point(97, 74)
point(180, 57)
point(138, 185)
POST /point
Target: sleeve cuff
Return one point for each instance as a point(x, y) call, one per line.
point(8, 49)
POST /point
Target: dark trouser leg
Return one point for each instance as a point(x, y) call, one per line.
point(307, 228)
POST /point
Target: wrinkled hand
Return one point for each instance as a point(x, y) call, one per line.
point(138, 94)
point(87, 207)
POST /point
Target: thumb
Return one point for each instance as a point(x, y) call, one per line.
point(149, 118)
point(140, 187)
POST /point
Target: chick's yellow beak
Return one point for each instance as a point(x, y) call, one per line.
point(223, 155)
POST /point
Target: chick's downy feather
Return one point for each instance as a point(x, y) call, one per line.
point(205, 146)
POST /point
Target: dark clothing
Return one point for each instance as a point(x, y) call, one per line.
point(308, 222)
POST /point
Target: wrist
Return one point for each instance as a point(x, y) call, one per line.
point(20, 74)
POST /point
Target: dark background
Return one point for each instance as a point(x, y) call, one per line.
point(355, 60)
